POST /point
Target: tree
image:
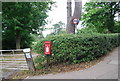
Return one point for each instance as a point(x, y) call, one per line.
point(77, 14)
point(22, 18)
point(101, 15)
point(58, 27)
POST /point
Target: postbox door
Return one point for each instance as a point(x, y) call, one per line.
point(47, 48)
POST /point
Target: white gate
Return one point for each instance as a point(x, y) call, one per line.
point(13, 59)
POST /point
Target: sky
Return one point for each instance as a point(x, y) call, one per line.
point(58, 13)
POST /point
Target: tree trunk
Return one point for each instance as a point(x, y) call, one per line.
point(77, 13)
point(78, 9)
point(69, 17)
point(18, 39)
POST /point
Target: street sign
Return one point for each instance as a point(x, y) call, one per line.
point(75, 21)
point(27, 55)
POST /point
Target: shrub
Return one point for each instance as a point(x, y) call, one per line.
point(87, 30)
point(92, 30)
point(117, 27)
point(75, 48)
point(40, 61)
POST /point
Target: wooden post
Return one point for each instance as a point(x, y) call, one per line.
point(29, 59)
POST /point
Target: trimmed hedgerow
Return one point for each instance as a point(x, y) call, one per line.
point(75, 48)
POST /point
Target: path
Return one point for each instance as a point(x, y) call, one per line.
point(106, 69)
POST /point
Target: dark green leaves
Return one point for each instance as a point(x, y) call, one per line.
point(101, 15)
point(75, 48)
point(27, 17)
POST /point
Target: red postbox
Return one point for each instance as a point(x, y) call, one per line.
point(47, 47)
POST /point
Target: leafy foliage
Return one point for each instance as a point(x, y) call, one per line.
point(87, 30)
point(40, 61)
point(101, 15)
point(117, 27)
point(75, 48)
point(22, 18)
point(58, 27)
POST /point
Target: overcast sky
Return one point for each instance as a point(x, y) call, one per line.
point(58, 13)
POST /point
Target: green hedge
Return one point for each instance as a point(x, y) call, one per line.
point(76, 48)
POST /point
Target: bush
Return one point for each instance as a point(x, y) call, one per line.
point(40, 61)
point(92, 30)
point(75, 48)
point(87, 30)
point(117, 27)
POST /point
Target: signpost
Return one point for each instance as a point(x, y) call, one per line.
point(29, 59)
point(47, 52)
point(75, 21)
